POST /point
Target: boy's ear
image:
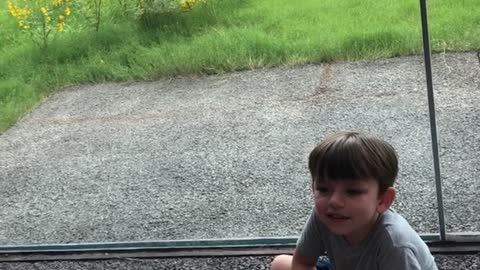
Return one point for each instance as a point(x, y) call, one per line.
point(386, 199)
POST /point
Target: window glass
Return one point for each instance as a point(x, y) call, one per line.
point(213, 157)
point(225, 156)
point(457, 98)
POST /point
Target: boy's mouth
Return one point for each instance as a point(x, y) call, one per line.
point(337, 217)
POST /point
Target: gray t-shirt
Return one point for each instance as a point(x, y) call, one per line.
point(391, 245)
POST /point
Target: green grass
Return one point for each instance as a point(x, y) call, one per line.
point(223, 36)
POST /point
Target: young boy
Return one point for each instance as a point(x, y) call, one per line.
point(352, 182)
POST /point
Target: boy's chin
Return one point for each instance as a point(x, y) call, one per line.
point(339, 228)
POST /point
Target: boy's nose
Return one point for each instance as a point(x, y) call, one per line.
point(336, 200)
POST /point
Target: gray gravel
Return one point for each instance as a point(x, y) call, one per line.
point(444, 262)
point(225, 156)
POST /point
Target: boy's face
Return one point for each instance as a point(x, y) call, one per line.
point(349, 207)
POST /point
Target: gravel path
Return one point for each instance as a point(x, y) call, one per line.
point(225, 156)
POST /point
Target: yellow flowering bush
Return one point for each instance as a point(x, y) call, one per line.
point(40, 17)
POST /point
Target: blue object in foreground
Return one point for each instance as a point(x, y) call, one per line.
point(323, 265)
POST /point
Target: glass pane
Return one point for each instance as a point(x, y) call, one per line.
point(457, 87)
point(215, 157)
point(457, 84)
point(225, 156)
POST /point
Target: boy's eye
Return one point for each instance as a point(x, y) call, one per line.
point(354, 192)
point(322, 189)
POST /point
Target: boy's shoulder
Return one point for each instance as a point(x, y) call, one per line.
point(394, 229)
point(395, 238)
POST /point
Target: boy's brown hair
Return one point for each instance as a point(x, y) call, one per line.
point(354, 155)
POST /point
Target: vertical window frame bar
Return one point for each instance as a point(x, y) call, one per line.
point(433, 126)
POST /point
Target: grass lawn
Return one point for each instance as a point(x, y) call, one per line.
point(216, 37)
